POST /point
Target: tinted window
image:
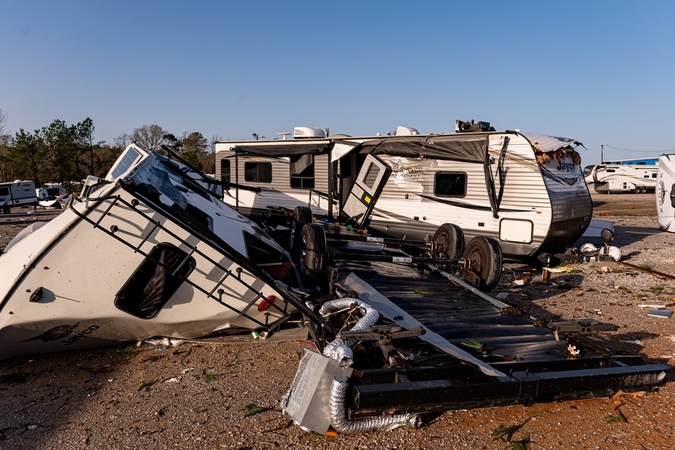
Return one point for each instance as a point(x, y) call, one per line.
point(4, 191)
point(124, 162)
point(258, 172)
point(371, 175)
point(155, 281)
point(450, 184)
point(302, 171)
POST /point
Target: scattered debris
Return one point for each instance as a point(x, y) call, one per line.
point(145, 384)
point(506, 432)
point(522, 279)
point(620, 418)
point(665, 314)
point(572, 350)
point(478, 346)
point(252, 410)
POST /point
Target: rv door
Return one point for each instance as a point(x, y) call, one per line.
point(367, 188)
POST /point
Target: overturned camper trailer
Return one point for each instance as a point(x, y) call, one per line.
point(621, 178)
point(147, 251)
point(665, 192)
point(17, 193)
point(525, 190)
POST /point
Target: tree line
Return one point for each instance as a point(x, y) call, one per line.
point(63, 153)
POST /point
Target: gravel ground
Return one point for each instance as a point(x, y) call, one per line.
point(197, 394)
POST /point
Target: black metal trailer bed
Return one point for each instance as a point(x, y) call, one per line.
point(534, 363)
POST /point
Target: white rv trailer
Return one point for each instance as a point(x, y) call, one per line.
point(51, 195)
point(621, 178)
point(17, 193)
point(525, 190)
point(148, 251)
point(665, 192)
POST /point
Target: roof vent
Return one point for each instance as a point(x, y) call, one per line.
point(406, 131)
point(307, 133)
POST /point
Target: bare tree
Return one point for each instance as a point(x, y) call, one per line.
point(149, 136)
point(3, 122)
point(5, 164)
point(122, 141)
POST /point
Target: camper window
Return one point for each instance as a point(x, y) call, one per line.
point(125, 162)
point(258, 172)
point(302, 171)
point(371, 175)
point(225, 172)
point(4, 191)
point(450, 184)
point(155, 281)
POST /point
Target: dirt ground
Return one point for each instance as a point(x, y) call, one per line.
point(226, 394)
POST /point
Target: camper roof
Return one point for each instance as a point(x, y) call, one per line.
point(471, 147)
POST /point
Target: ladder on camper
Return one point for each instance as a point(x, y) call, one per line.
point(107, 204)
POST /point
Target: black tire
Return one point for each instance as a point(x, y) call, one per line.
point(450, 238)
point(313, 238)
point(6, 209)
point(484, 258)
point(302, 215)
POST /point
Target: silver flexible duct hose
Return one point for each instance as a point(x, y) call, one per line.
point(339, 421)
point(340, 351)
point(370, 314)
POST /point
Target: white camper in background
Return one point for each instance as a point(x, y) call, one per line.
point(621, 178)
point(525, 190)
point(17, 193)
point(665, 192)
point(50, 195)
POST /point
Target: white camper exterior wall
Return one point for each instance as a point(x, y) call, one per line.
point(472, 213)
point(665, 194)
point(618, 178)
point(17, 193)
point(409, 208)
point(277, 193)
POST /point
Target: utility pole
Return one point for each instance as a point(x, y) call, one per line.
point(602, 149)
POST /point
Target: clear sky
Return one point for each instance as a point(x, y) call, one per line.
point(602, 72)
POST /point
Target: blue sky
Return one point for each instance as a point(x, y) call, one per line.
point(602, 72)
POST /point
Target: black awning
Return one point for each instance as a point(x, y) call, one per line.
point(455, 147)
point(281, 148)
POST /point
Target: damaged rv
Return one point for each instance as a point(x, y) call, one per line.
point(525, 190)
point(149, 250)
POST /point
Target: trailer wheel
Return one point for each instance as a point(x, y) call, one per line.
point(6, 209)
point(313, 261)
point(450, 239)
point(301, 215)
point(484, 260)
